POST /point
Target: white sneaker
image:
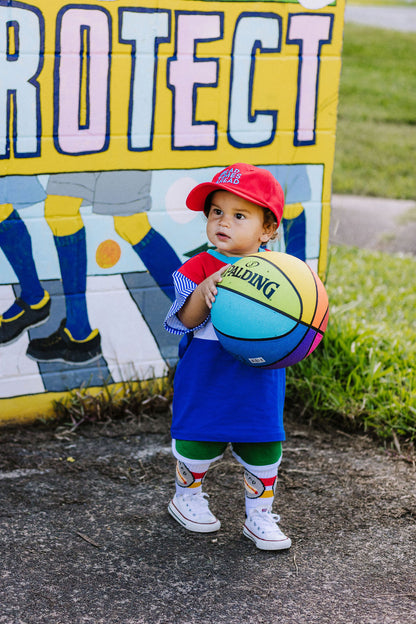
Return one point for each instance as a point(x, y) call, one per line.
point(261, 527)
point(192, 512)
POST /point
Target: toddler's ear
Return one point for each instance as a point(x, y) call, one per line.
point(269, 231)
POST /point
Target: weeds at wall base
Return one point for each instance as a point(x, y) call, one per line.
point(147, 403)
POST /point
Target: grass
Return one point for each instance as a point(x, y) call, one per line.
point(362, 376)
point(376, 131)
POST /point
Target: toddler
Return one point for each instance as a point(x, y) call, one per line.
point(217, 399)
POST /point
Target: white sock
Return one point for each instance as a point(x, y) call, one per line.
point(259, 487)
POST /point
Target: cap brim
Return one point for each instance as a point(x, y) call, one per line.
point(197, 197)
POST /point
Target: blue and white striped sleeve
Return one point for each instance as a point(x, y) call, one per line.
point(184, 287)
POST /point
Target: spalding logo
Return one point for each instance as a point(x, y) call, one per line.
point(261, 282)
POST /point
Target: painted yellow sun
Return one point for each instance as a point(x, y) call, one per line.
point(108, 254)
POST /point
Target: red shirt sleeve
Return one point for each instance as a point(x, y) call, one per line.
point(199, 267)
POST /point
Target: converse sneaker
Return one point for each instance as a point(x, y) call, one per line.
point(61, 347)
point(262, 528)
point(192, 512)
point(30, 316)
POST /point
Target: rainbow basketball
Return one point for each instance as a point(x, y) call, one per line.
point(271, 310)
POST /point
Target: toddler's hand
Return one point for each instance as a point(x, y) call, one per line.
point(209, 286)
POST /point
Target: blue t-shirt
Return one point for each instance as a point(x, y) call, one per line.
point(216, 397)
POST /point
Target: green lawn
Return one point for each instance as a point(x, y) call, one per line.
point(363, 375)
point(376, 131)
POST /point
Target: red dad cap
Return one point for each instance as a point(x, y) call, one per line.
point(256, 185)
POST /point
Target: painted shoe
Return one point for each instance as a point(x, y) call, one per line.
point(262, 528)
point(62, 347)
point(30, 316)
point(192, 512)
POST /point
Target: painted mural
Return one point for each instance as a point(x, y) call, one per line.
point(110, 112)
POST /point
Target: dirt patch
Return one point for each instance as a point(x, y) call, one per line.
point(86, 537)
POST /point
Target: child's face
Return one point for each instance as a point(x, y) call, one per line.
point(236, 226)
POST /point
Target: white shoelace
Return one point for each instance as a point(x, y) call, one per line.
point(197, 502)
point(266, 520)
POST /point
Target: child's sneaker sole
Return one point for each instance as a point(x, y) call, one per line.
point(265, 544)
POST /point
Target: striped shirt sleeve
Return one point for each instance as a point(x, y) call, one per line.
point(183, 288)
point(185, 280)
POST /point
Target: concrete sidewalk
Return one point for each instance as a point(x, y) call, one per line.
point(392, 18)
point(387, 225)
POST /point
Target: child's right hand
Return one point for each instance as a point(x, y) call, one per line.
point(208, 288)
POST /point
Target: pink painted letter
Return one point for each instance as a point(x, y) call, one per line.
point(309, 32)
point(186, 74)
point(84, 46)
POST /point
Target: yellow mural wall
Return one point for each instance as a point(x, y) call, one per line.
point(110, 112)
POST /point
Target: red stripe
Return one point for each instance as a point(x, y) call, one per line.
point(198, 475)
point(268, 481)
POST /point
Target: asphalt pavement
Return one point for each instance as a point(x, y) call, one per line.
point(86, 538)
